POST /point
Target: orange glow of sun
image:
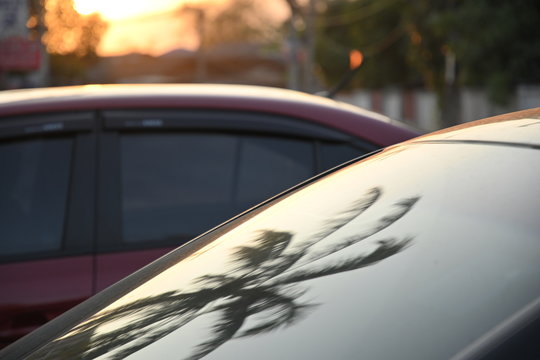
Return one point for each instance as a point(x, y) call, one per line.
point(149, 26)
point(122, 9)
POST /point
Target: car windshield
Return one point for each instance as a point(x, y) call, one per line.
point(411, 254)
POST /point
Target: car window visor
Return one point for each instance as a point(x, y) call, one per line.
point(44, 125)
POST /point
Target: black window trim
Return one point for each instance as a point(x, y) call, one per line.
point(220, 120)
point(46, 124)
point(109, 218)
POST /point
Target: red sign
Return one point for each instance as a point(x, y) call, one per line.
point(19, 53)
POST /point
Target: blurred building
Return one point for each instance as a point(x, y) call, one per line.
point(22, 63)
point(241, 63)
point(420, 107)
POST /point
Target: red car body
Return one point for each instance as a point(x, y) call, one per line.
point(39, 285)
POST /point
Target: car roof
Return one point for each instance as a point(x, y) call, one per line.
point(349, 118)
point(521, 128)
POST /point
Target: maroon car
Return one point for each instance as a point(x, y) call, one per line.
point(98, 181)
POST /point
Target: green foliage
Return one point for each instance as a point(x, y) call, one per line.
point(406, 42)
point(373, 27)
point(496, 43)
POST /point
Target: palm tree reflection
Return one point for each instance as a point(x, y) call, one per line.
point(266, 281)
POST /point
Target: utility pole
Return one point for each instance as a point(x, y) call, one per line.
point(43, 73)
point(301, 67)
point(293, 68)
point(309, 60)
point(293, 65)
point(201, 66)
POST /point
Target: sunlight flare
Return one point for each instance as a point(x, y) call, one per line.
point(122, 9)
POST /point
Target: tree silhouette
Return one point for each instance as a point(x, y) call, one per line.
point(71, 40)
point(240, 21)
point(69, 32)
point(266, 279)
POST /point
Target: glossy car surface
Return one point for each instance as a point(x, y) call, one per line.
point(98, 181)
point(426, 250)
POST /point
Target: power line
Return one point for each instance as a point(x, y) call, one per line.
point(360, 14)
point(377, 46)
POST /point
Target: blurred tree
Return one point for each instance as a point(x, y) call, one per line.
point(71, 40)
point(68, 32)
point(377, 29)
point(427, 46)
point(239, 21)
point(495, 42)
point(411, 43)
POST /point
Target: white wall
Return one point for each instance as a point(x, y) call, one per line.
point(474, 104)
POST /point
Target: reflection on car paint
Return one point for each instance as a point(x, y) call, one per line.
point(266, 275)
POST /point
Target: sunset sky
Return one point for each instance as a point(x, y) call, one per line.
point(149, 26)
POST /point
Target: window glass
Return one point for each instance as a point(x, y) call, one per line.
point(34, 185)
point(271, 165)
point(334, 154)
point(175, 185)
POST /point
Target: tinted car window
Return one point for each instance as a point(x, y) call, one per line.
point(406, 255)
point(333, 154)
point(33, 194)
point(269, 165)
point(175, 186)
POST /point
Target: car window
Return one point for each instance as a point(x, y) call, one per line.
point(269, 165)
point(333, 154)
point(175, 186)
point(33, 194)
